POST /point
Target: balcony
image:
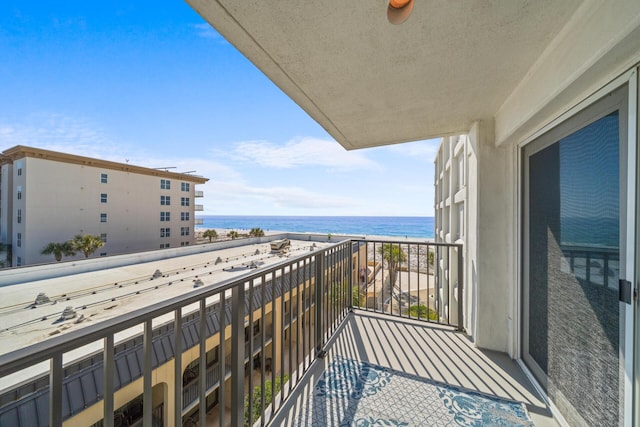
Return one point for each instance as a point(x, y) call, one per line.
point(198, 221)
point(198, 208)
point(395, 305)
point(198, 193)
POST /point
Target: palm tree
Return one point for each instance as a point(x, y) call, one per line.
point(58, 250)
point(211, 234)
point(256, 232)
point(87, 244)
point(233, 234)
point(394, 256)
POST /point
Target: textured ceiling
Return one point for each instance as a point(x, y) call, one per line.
point(371, 83)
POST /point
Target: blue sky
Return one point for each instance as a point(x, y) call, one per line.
point(153, 83)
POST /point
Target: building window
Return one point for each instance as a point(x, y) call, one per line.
point(184, 201)
point(19, 167)
point(103, 217)
point(185, 186)
point(103, 254)
point(184, 231)
point(19, 216)
point(103, 198)
point(165, 216)
point(184, 216)
point(165, 184)
point(184, 243)
point(165, 232)
point(165, 245)
point(19, 192)
point(19, 240)
point(19, 261)
point(103, 237)
point(165, 200)
point(103, 178)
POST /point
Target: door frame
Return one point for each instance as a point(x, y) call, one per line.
point(631, 205)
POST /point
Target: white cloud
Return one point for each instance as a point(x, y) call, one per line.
point(301, 152)
point(236, 186)
point(61, 133)
point(206, 31)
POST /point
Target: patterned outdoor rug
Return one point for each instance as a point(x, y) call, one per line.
point(353, 393)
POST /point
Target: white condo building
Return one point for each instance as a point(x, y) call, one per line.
point(48, 196)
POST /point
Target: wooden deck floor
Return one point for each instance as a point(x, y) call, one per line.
point(429, 351)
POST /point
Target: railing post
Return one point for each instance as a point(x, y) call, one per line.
point(177, 368)
point(107, 380)
point(320, 282)
point(55, 390)
point(202, 360)
point(237, 355)
point(350, 275)
point(147, 400)
point(460, 286)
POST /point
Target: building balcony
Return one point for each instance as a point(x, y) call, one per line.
point(198, 208)
point(198, 221)
point(198, 193)
point(385, 308)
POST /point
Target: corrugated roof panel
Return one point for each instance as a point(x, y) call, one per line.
point(191, 335)
point(28, 414)
point(159, 352)
point(211, 329)
point(89, 388)
point(10, 417)
point(134, 365)
point(154, 357)
point(65, 403)
point(98, 378)
point(122, 369)
point(167, 345)
point(216, 322)
point(42, 408)
point(76, 396)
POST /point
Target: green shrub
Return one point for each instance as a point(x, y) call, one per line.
point(257, 396)
point(421, 311)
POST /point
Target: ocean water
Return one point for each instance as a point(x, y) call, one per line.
point(417, 227)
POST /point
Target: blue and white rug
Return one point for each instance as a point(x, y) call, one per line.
point(353, 393)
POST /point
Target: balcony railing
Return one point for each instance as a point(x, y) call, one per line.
point(198, 193)
point(198, 208)
point(276, 319)
point(198, 221)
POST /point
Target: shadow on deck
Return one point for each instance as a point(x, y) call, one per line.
point(429, 351)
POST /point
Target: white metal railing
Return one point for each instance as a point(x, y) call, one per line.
point(198, 193)
point(198, 208)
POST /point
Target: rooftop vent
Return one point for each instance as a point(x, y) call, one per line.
point(218, 260)
point(257, 252)
point(197, 283)
point(42, 298)
point(157, 274)
point(68, 313)
point(280, 246)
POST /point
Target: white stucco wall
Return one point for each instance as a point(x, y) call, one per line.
point(495, 249)
point(61, 200)
point(600, 42)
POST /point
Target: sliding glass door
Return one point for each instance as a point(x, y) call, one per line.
point(574, 246)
